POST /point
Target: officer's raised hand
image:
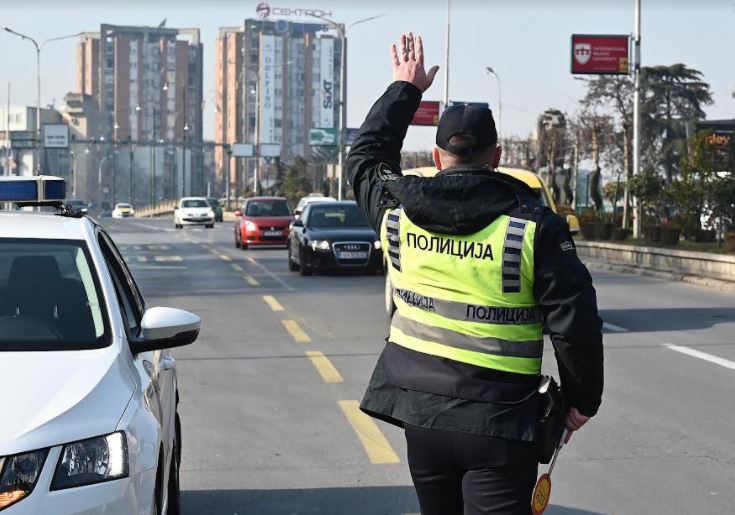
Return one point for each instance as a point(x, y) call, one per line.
point(408, 62)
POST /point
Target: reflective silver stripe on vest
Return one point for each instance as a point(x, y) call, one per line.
point(470, 312)
point(487, 345)
point(393, 233)
point(512, 249)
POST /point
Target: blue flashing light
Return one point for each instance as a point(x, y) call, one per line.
point(39, 189)
point(54, 189)
point(19, 191)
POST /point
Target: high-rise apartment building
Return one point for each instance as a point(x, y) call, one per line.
point(149, 82)
point(275, 80)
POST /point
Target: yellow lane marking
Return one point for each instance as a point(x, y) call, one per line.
point(251, 280)
point(158, 247)
point(376, 446)
point(325, 368)
point(141, 259)
point(273, 303)
point(236, 267)
point(296, 332)
point(166, 259)
point(224, 258)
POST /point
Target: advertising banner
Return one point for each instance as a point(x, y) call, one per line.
point(56, 135)
point(326, 76)
point(427, 113)
point(267, 129)
point(600, 55)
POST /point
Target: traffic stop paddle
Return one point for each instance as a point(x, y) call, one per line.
point(542, 492)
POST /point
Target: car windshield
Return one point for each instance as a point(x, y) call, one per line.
point(194, 203)
point(124, 206)
point(76, 203)
point(49, 297)
point(213, 202)
point(267, 208)
point(336, 216)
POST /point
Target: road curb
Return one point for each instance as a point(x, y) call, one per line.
point(659, 274)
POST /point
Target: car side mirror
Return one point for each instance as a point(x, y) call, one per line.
point(298, 222)
point(165, 328)
point(238, 213)
point(573, 223)
point(176, 207)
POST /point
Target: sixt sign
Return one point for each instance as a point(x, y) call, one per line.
point(264, 11)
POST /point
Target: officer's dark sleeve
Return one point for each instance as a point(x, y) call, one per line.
point(564, 290)
point(376, 151)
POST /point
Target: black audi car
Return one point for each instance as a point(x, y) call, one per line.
point(332, 236)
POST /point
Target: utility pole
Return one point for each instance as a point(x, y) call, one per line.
point(637, 114)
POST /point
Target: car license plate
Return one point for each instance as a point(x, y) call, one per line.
point(271, 233)
point(352, 255)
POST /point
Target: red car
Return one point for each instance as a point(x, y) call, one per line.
point(262, 221)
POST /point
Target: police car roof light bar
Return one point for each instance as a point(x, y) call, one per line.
point(39, 190)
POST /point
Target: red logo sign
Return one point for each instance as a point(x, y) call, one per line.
point(600, 54)
point(427, 114)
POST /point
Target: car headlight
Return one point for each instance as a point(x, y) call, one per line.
point(376, 245)
point(319, 245)
point(91, 461)
point(250, 226)
point(18, 476)
point(210, 213)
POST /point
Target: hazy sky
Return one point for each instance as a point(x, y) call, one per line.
point(526, 42)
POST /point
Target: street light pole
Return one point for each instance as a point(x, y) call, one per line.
point(341, 137)
point(73, 173)
point(446, 56)
point(490, 71)
point(637, 114)
point(38, 48)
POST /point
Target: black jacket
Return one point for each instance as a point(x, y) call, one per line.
point(462, 201)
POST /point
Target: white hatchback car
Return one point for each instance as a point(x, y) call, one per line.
point(89, 421)
point(193, 211)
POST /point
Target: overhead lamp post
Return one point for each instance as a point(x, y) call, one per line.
point(38, 48)
point(492, 72)
point(341, 139)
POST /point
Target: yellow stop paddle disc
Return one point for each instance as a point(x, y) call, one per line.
point(541, 494)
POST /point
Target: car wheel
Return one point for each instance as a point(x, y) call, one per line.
point(173, 488)
point(210, 226)
point(305, 270)
point(291, 264)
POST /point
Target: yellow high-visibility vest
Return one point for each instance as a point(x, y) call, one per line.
point(466, 298)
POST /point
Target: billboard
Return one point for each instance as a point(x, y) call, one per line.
point(326, 77)
point(267, 129)
point(55, 135)
point(720, 138)
point(427, 113)
point(600, 55)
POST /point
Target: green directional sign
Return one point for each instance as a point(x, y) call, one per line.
point(322, 136)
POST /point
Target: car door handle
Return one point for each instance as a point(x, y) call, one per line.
point(168, 362)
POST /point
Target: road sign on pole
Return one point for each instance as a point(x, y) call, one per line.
point(325, 136)
point(55, 135)
point(243, 150)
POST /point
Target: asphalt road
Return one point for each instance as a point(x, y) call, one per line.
point(268, 391)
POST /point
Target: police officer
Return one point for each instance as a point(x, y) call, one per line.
point(478, 264)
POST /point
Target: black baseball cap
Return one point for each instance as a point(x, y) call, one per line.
point(474, 121)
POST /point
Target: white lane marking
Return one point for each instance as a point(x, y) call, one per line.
point(164, 259)
point(160, 267)
point(158, 247)
point(141, 259)
point(702, 355)
point(614, 328)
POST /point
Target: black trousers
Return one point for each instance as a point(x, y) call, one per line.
point(464, 474)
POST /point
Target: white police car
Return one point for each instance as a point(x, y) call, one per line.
point(88, 420)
